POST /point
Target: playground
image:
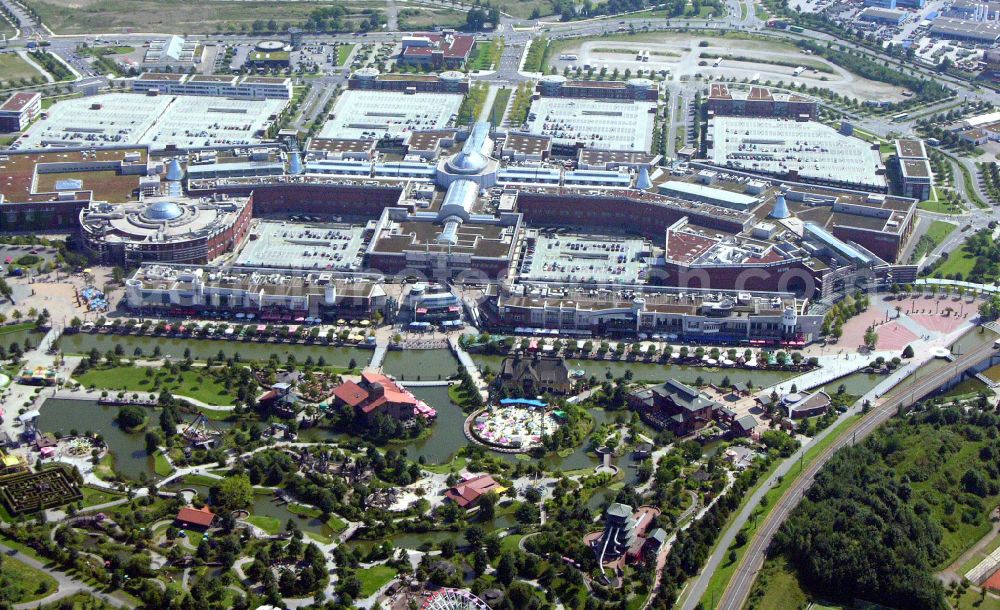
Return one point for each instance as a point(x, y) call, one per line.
point(516, 424)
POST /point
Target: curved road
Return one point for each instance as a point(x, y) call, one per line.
point(739, 587)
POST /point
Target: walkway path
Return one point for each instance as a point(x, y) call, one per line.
point(470, 366)
point(378, 355)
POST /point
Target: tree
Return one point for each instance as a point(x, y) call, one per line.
point(908, 351)
point(871, 338)
point(233, 492)
point(152, 442)
point(130, 417)
point(506, 569)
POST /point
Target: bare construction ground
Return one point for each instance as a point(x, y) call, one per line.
point(680, 55)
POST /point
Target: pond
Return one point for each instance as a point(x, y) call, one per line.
point(265, 506)
point(203, 349)
point(438, 447)
point(647, 371)
point(129, 449)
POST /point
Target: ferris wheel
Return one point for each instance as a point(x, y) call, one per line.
point(454, 599)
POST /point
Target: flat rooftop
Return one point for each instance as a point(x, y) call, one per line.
point(603, 259)
point(18, 175)
point(526, 144)
point(291, 282)
point(911, 148)
point(677, 301)
point(607, 125)
point(333, 246)
point(18, 101)
point(984, 31)
point(480, 240)
point(371, 114)
point(116, 119)
point(430, 140)
point(810, 150)
point(339, 145)
point(916, 168)
point(594, 156)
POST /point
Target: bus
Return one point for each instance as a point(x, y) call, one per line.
point(900, 116)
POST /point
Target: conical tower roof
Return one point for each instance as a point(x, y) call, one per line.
point(174, 171)
point(643, 182)
point(780, 208)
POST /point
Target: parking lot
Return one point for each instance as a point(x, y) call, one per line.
point(331, 246)
point(371, 114)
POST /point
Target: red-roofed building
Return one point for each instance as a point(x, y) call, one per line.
point(20, 110)
point(195, 518)
point(446, 50)
point(467, 493)
point(378, 393)
point(349, 394)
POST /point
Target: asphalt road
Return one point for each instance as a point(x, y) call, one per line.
point(739, 587)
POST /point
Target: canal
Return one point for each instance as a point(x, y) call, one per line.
point(203, 349)
point(657, 373)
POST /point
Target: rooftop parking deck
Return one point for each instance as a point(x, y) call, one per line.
point(619, 125)
point(116, 119)
point(304, 246)
point(371, 114)
point(580, 257)
point(811, 151)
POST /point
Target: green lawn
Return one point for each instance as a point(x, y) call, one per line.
point(500, 104)
point(23, 583)
point(534, 61)
point(935, 234)
point(181, 16)
point(343, 52)
point(777, 586)
point(78, 601)
point(973, 599)
point(940, 206)
point(195, 383)
point(959, 261)
point(16, 328)
point(372, 579)
point(13, 69)
point(510, 543)
point(93, 496)
point(485, 55)
point(161, 466)
point(271, 525)
point(721, 577)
